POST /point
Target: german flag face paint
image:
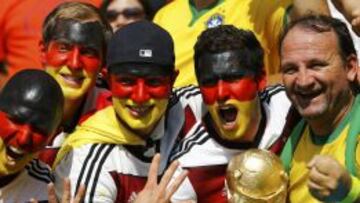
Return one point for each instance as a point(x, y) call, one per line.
point(74, 56)
point(18, 144)
point(230, 93)
point(140, 101)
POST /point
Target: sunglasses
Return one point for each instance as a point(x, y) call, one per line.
point(128, 13)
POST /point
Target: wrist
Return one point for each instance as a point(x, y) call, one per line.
point(354, 192)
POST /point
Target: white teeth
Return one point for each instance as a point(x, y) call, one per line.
point(138, 111)
point(16, 150)
point(74, 80)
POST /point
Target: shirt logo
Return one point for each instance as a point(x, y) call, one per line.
point(215, 20)
point(145, 53)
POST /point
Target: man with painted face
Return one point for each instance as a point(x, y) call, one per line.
point(230, 72)
point(110, 152)
point(73, 50)
point(31, 108)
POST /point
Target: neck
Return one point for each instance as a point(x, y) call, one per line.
point(201, 4)
point(325, 125)
point(5, 180)
point(71, 107)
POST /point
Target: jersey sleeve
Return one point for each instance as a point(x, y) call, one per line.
point(87, 166)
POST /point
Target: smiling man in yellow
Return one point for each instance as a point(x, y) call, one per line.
point(318, 64)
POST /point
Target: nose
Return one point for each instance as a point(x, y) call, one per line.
point(140, 94)
point(74, 61)
point(223, 90)
point(24, 138)
point(119, 22)
point(304, 80)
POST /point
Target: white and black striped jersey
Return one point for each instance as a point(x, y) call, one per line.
point(116, 173)
point(30, 183)
point(205, 154)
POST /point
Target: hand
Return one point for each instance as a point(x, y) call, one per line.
point(351, 10)
point(328, 179)
point(160, 193)
point(66, 197)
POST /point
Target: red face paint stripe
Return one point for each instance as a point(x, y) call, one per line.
point(244, 89)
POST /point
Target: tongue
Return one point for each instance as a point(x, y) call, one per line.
point(229, 115)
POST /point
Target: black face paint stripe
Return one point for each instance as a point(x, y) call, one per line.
point(89, 34)
point(225, 65)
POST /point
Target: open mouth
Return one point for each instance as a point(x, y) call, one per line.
point(139, 111)
point(72, 80)
point(14, 154)
point(306, 97)
point(228, 115)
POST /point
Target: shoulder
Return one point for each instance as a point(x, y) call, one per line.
point(39, 171)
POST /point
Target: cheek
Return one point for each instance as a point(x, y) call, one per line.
point(244, 90)
point(209, 94)
point(91, 64)
point(39, 141)
point(6, 130)
point(56, 59)
point(160, 92)
point(121, 91)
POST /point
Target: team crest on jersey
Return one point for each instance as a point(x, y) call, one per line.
point(215, 20)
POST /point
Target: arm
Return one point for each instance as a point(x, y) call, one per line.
point(351, 10)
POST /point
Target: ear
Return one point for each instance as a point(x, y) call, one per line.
point(42, 50)
point(353, 69)
point(261, 81)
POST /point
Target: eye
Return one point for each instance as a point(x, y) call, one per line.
point(288, 69)
point(63, 47)
point(90, 52)
point(316, 64)
point(126, 81)
point(154, 82)
point(208, 82)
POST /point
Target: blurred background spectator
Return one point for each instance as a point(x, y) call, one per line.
point(122, 12)
point(20, 33)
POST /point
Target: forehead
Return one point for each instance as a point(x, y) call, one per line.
point(229, 62)
point(89, 34)
point(304, 44)
point(121, 4)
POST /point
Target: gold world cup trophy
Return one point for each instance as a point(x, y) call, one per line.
point(256, 176)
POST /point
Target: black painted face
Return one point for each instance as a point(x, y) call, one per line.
point(33, 97)
point(227, 66)
point(89, 34)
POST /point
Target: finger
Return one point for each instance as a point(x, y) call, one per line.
point(66, 193)
point(152, 175)
point(168, 175)
point(51, 193)
point(313, 161)
point(176, 184)
point(318, 177)
point(80, 195)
